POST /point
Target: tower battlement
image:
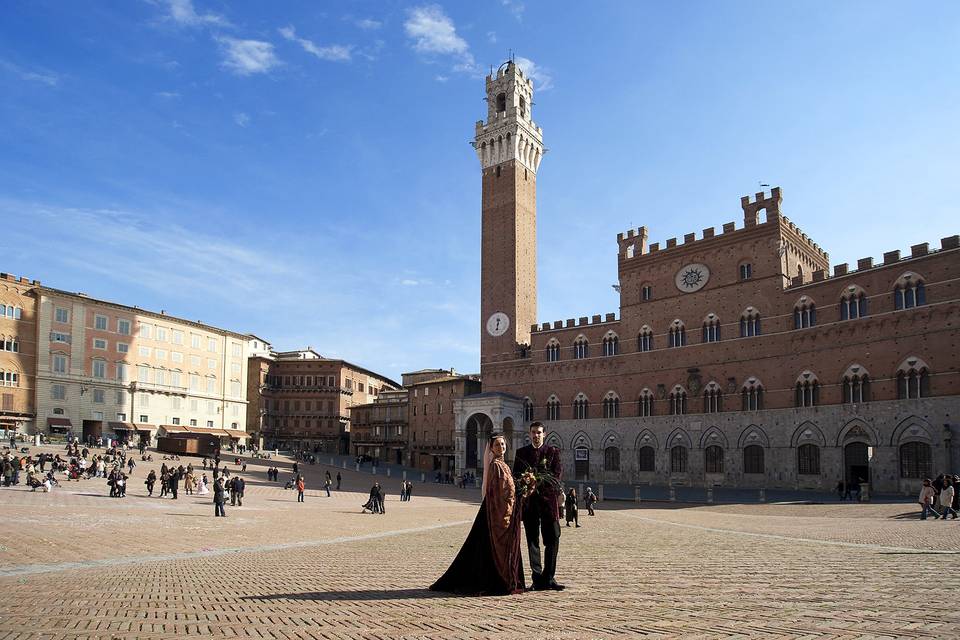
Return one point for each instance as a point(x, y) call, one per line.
point(509, 132)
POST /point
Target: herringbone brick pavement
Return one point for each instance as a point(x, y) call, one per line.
point(80, 566)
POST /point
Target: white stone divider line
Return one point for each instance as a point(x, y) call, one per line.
point(774, 536)
point(33, 569)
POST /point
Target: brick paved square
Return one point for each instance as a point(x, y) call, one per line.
point(78, 564)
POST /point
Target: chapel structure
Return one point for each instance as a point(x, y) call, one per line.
point(739, 358)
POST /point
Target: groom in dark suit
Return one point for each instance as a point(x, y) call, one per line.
point(541, 510)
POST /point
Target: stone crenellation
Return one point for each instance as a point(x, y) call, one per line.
point(889, 258)
point(19, 280)
point(633, 242)
point(582, 321)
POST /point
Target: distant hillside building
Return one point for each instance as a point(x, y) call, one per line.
point(737, 359)
point(18, 353)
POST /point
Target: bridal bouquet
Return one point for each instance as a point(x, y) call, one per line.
point(537, 479)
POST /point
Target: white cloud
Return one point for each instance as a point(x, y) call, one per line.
point(368, 25)
point(246, 57)
point(492, 37)
point(241, 119)
point(205, 263)
point(433, 33)
point(334, 52)
point(542, 78)
point(515, 7)
point(409, 283)
point(441, 78)
point(183, 12)
point(168, 95)
point(42, 76)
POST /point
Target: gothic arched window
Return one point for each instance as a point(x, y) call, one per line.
point(645, 404)
point(646, 459)
point(807, 390)
point(611, 344)
point(678, 401)
point(712, 398)
point(611, 459)
point(553, 351)
point(750, 323)
point(808, 460)
point(711, 328)
point(645, 339)
point(752, 395)
point(753, 459)
point(909, 292)
point(553, 408)
point(713, 459)
point(581, 407)
point(804, 314)
point(611, 405)
point(853, 303)
point(580, 348)
point(678, 334)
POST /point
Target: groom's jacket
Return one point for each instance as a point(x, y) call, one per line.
point(546, 501)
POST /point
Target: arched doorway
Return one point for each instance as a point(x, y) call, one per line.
point(856, 462)
point(581, 462)
point(479, 427)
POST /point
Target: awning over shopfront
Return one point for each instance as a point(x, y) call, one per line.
point(121, 426)
point(147, 428)
point(174, 428)
point(59, 424)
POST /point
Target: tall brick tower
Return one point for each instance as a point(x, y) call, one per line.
point(510, 147)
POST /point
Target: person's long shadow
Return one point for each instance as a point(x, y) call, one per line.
point(363, 594)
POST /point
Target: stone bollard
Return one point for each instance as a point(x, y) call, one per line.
point(358, 466)
point(477, 482)
point(373, 470)
point(673, 494)
point(388, 472)
point(865, 492)
point(423, 477)
point(636, 494)
point(599, 493)
point(331, 461)
point(709, 494)
point(580, 493)
point(404, 476)
point(763, 495)
point(344, 464)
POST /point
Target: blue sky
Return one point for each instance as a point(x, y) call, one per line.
point(301, 170)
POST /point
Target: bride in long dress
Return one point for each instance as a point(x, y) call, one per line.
point(489, 562)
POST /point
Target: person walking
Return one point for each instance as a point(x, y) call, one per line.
point(232, 487)
point(239, 486)
point(175, 477)
point(339, 478)
point(589, 499)
point(946, 499)
point(150, 481)
point(327, 483)
point(571, 510)
point(219, 498)
point(926, 500)
point(409, 489)
point(300, 487)
point(381, 497)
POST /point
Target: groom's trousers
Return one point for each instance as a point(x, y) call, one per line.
point(536, 526)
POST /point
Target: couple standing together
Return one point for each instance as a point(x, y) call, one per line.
point(489, 563)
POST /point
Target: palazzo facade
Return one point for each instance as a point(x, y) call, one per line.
point(739, 358)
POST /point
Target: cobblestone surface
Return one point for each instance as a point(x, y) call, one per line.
point(85, 566)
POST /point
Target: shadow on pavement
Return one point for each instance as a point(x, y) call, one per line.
point(364, 594)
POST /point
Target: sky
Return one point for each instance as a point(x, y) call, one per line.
point(302, 170)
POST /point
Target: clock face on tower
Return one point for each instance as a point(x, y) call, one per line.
point(497, 324)
point(692, 277)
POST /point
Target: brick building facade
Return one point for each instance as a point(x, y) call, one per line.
point(737, 358)
point(431, 418)
point(379, 429)
point(307, 399)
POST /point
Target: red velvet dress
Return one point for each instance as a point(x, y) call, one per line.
point(489, 562)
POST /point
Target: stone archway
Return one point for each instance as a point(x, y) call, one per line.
point(479, 426)
point(508, 436)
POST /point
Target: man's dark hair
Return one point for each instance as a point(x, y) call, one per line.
point(535, 424)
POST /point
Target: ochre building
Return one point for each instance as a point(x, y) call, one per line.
point(739, 358)
point(18, 353)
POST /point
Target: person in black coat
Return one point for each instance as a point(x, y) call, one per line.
point(238, 486)
point(541, 510)
point(219, 497)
